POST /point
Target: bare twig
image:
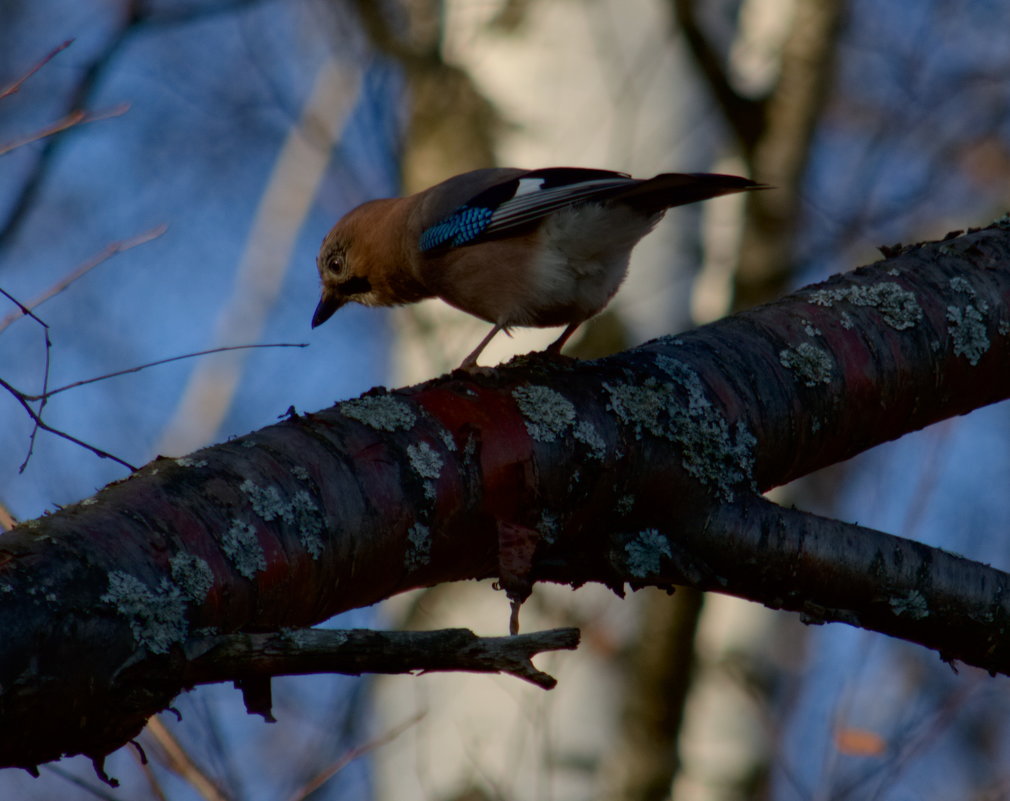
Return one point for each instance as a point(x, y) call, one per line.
point(27, 312)
point(152, 781)
point(324, 776)
point(16, 86)
point(40, 423)
point(69, 121)
point(140, 367)
point(48, 350)
point(178, 760)
point(135, 14)
point(79, 97)
point(106, 253)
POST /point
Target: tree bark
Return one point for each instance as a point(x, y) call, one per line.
point(643, 468)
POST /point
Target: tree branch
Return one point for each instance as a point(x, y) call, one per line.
point(15, 87)
point(641, 468)
point(157, 363)
point(357, 651)
point(832, 571)
point(744, 116)
point(134, 15)
point(71, 120)
point(78, 272)
point(40, 423)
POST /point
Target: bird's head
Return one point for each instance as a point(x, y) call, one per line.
point(370, 257)
point(343, 269)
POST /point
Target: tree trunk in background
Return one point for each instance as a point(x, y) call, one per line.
point(775, 135)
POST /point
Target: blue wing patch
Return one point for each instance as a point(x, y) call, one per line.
point(462, 226)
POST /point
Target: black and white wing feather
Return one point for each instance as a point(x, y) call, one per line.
point(510, 202)
point(520, 203)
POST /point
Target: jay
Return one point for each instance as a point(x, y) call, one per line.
point(513, 247)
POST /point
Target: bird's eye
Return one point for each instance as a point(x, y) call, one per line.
point(335, 266)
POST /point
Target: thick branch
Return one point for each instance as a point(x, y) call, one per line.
point(617, 471)
point(831, 571)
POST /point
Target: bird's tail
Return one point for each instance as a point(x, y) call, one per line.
point(678, 188)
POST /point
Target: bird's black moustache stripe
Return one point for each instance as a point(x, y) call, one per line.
point(358, 285)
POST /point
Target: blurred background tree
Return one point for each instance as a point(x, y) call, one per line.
point(252, 125)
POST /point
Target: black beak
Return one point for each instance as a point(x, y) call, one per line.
point(328, 304)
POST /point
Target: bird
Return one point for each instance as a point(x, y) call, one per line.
point(514, 247)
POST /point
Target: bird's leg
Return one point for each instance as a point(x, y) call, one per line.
point(471, 360)
point(556, 346)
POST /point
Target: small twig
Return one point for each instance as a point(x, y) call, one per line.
point(69, 121)
point(27, 312)
point(40, 423)
point(24, 310)
point(45, 386)
point(324, 776)
point(90, 73)
point(178, 760)
point(16, 86)
point(152, 779)
point(106, 253)
point(138, 368)
point(236, 656)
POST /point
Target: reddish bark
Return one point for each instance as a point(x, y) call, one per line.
point(627, 468)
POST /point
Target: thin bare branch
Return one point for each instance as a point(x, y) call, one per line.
point(15, 87)
point(324, 776)
point(106, 253)
point(69, 121)
point(140, 367)
point(134, 15)
point(152, 780)
point(25, 311)
point(178, 760)
point(40, 423)
point(47, 364)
